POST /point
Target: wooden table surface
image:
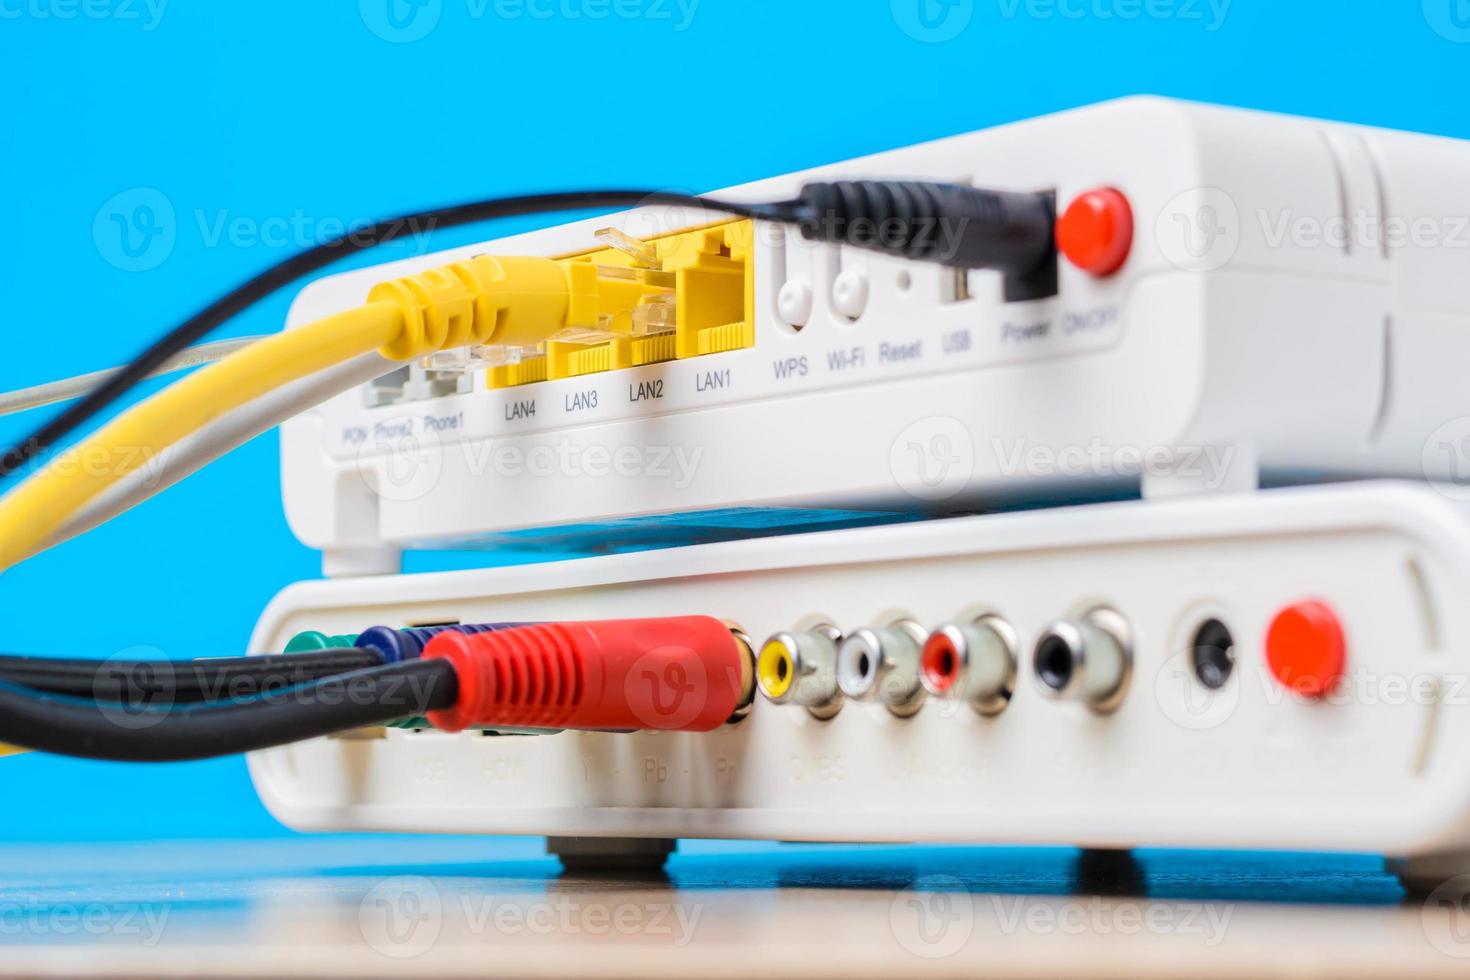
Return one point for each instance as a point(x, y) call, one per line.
point(421, 907)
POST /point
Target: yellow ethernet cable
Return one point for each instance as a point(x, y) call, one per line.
point(505, 300)
point(37, 509)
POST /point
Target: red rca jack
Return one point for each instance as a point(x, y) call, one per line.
point(882, 664)
point(686, 673)
point(972, 662)
point(800, 667)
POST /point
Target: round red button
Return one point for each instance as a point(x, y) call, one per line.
point(1096, 231)
point(1305, 648)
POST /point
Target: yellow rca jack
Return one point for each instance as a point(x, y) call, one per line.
point(800, 667)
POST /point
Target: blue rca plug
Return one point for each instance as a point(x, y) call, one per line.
point(397, 645)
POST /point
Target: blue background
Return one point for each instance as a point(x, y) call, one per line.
point(263, 114)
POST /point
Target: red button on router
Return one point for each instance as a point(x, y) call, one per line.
point(1305, 648)
point(1095, 233)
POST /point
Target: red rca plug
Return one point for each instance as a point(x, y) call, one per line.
point(687, 673)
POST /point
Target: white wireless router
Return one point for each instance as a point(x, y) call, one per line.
point(1290, 305)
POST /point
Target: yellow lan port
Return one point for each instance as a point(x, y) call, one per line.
point(679, 295)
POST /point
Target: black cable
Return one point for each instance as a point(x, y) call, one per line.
point(86, 729)
point(163, 682)
point(952, 224)
point(319, 257)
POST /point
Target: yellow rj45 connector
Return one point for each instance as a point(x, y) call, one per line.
point(680, 295)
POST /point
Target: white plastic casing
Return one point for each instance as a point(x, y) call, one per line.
point(1377, 767)
point(1295, 305)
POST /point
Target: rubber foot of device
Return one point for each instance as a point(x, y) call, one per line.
point(611, 855)
point(1438, 876)
point(1109, 872)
